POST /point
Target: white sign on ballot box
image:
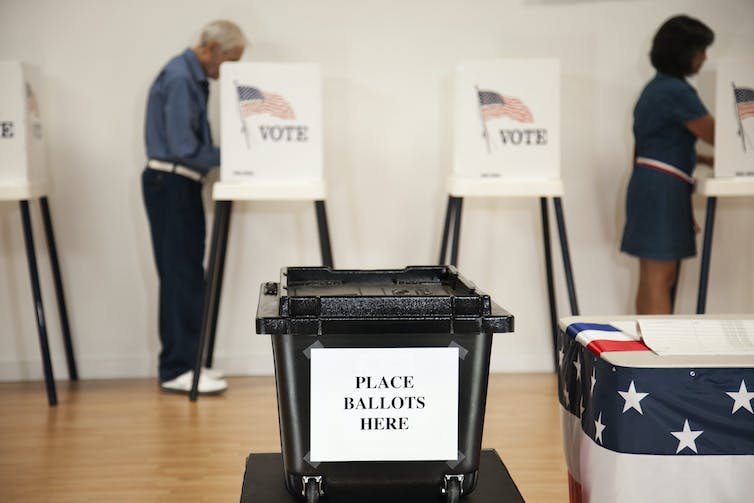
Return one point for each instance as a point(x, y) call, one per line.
point(734, 124)
point(384, 404)
point(507, 119)
point(271, 122)
point(22, 152)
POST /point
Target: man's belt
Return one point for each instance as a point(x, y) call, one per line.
point(171, 167)
point(665, 168)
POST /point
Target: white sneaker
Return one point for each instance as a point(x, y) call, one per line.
point(212, 373)
point(182, 384)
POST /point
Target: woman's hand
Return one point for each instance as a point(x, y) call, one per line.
point(707, 160)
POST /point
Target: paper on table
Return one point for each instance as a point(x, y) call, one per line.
point(698, 337)
point(629, 328)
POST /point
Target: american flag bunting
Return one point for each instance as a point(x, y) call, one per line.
point(683, 431)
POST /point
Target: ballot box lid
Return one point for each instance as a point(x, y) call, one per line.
point(321, 300)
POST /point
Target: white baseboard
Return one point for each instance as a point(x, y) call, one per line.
point(133, 367)
point(514, 365)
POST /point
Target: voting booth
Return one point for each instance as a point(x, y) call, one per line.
point(271, 150)
point(381, 380)
point(506, 143)
point(672, 422)
point(733, 174)
point(22, 149)
point(24, 177)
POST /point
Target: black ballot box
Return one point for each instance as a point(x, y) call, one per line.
point(263, 482)
point(381, 380)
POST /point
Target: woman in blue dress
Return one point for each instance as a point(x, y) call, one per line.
point(668, 118)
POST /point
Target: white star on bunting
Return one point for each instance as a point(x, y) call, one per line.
point(577, 364)
point(599, 427)
point(566, 395)
point(632, 398)
point(742, 398)
point(594, 380)
point(686, 438)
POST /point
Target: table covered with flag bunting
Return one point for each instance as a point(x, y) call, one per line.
point(638, 426)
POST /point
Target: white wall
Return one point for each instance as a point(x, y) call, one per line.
point(387, 69)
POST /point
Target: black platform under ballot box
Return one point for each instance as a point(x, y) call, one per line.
point(263, 483)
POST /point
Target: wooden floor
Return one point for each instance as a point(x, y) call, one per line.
point(123, 440)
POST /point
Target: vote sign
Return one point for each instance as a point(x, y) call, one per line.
point(734, 124)
point(507, 119)
point(384, 404)
point(22, 149)
point(271, 121)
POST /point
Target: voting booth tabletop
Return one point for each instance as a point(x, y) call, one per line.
point(263, 482)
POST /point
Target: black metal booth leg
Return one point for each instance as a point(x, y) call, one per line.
point(550, 279)
point(566, 256)
point(73, 373)
point(709, 227)
point(39, 314)
point(324, 233)
point(213, 289)
point(226, 207)
point(456, 231)
point(450, 209)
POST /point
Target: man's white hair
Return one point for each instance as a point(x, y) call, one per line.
point(226, 33)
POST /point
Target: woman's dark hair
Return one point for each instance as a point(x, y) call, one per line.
point(676, 43)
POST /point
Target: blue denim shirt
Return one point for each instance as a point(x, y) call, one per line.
point(176, 126)
point(666, 104)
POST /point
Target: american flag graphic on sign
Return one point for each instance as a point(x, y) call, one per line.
point(31, 102)
point(652, 433)
point(494, 105)
point(254, 101)
point(744, 102)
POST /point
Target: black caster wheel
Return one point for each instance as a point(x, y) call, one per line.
point(453, 491)
point(312, 491)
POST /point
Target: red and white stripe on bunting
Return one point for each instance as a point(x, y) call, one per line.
point(601, 337)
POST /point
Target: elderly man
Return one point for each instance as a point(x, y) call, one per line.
point(180, 154)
